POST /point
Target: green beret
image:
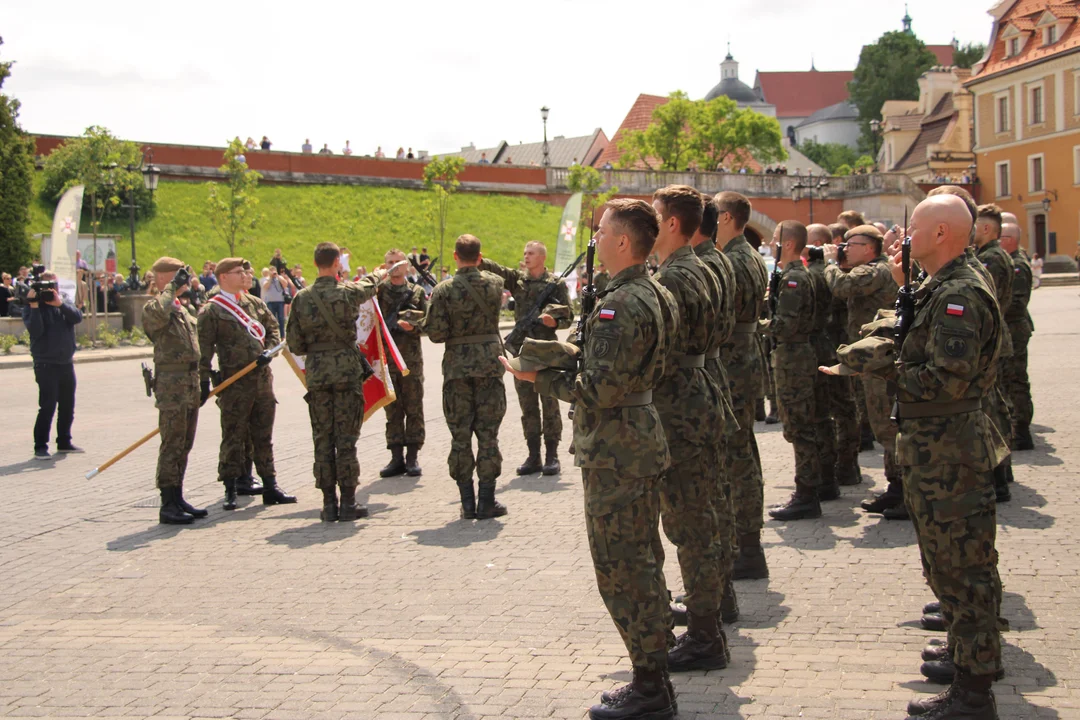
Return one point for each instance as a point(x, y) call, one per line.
point(867, 230)
point(167, 264)
point(544, 354)
point(228, 265)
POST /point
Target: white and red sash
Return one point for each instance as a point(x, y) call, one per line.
point(253, 326)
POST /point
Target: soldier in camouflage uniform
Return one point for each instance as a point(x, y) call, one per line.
point(601, 278)
point(171, 327)
point(464, 313)
point(322, 327)
point(794, 364)
point(947, 448)
point(867, 288)
point(846, 405)
point(622, 451)
point(540, 416)
point(695, 518)
point(402, 300)
point(1020, 328)
point(1000, 267)
point(740, 355)
point(240, 329)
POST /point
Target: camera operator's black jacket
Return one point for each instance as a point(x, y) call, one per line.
point(52, 332)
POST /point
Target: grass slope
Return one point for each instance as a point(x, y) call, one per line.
point(367, 220)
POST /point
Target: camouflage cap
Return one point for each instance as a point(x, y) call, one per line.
point(868, 355)
point(411, 316)
point(228, 265)
point(167, 264)
point(865, 230)
point(545, 354)
point(883, 325)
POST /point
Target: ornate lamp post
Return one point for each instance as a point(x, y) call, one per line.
point(875, 130)
point(810, 187)
point(544, 114)
point(150, 174)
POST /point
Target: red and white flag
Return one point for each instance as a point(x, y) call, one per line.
point(374, 340)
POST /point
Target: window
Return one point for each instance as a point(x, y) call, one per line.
point(1076, 165)
point(1035, 173)
point(1002, 175)
point(1003, 114)
point(1050, 35)
point(1036, 110)
point(1076, 93)
point(1014, 47)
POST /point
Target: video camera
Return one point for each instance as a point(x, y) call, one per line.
point(841, 252)
point(813, 252)
point(44, 290)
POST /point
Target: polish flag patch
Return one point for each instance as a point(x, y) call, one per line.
point(957, 310)
point(607, 314)
point(792, 283)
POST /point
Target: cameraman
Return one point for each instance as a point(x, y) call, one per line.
point(51, 323)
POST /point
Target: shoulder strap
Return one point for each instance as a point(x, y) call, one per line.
point(474, 293)
point(325, 312)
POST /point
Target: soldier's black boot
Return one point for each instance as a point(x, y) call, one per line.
point(774, 416)
point(412, 465)
point(702, 647)
point(848, 473)
point(933, 621)
point(969, 698)
point(866, 439)
point(350, 509)
point(939, 667)
point(487, 506)
point(551, 458)
point(647, 697)
point(729, 604)
point(882, 502)
point(1008, 470)
point(759, 410)
point(829, 488)
point(1022, 439)
point(1001, 484)
point(896, 512)
point(273, 494)
point(171, 513)
point(468, 500)
point(922, 706)
point(329, 505)
point(188, 507)
point(610, 697)
point(934, 606)
point(396, 466)
point(803, 505)
point(246, 485)
point(230, 494)
point(532, 463)
point(750, 562)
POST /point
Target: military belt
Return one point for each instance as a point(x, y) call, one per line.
point(328, 347)
point(636, 399)
point(713, 354)
point(913, 410)
point(793, 340)
point(692, 361)
point(176, 367)
point(474, 339)
point(745, 328)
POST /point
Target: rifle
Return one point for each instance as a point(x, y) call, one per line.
point(905, 298)
point(391, 317)
point(424, 274)
point(516, 337)
point(148, 380)
point(588, 304)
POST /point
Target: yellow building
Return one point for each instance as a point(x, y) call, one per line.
point(1027, 122)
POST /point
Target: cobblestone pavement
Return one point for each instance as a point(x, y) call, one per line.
point(412, 613)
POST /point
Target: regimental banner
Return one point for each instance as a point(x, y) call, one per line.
point(566, 243)
point(374, 340)
point(63, 243)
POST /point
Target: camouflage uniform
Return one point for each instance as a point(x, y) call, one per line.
point(947, 447)
point(474, 396)
point(794, 364)
point(247, 406)
point(601, 280)
point(688, 400)
point(1000, 268)
point(622, 451)
point(740, 355)
point(843, 408)
point(526, 289)
point(867, 289)
point(172, 328)
point(405, 416)
point(825, 354)
point(333, 371)
point(1020, 328)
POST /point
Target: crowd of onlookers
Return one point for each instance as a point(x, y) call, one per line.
point(308, 149)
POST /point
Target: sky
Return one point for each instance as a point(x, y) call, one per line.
point(430, 75)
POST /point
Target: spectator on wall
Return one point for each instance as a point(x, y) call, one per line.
point(346, 150)
point(250, 144)
point(379, 153)
point(483, 159)
point(509, 160)
point(400, 154)
point(326, 150)
point(306, 147)
point(409, 155)
point(265, 144)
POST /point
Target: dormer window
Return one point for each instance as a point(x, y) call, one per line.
point(1050, 35)
point(1014, 47)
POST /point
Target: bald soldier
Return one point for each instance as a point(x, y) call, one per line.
point(1021, 326)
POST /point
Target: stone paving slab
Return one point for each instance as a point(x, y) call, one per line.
point(267, 613)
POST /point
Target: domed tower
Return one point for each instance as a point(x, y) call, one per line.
point(731, 86)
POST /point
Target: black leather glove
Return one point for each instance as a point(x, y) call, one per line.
point(264, 359)
point(181, 278)
point(204, 392)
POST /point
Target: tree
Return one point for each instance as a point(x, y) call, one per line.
point(865, 162)
point(968, 55)
point(721, 132)
point(830, 156)
point(16, 181)
point(666, 140)
point(587, 180)
point(887, 70)
point(234, 209)
point(441, 177)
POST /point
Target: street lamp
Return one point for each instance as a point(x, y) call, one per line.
point(544, 114)
point(810, 187)
point(150, 175)
point(875, 130)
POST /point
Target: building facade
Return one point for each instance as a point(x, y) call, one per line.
point(1027, 122)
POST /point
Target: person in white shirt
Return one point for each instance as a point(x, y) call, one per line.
point(345, 261)
point(346, 150)
point(306, 147)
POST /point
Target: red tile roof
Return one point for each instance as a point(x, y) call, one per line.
point(638, 118)
point(943, 53)
point(803, 93)
point(1027, 13)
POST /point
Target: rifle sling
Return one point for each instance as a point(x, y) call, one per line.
point(340, 334)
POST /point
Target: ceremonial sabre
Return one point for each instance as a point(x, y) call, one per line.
point(233, 378)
